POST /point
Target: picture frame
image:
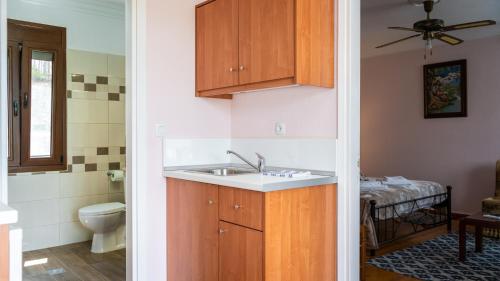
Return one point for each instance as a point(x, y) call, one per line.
point(445, 89)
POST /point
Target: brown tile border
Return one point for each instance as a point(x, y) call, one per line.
point(38, 173)
point(103, 80)
point(90, 87)
point(69, 94)
point(91, 167)
point(77, 78)
point(114, 166)
point(122, 89)
point(123, 150)
point(78, 159)
point(113, 96)
point(102, 151)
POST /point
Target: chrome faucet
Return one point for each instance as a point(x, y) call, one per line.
point(261, 164)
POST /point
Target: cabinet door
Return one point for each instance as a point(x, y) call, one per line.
point(266, 40)
point(192, 231)
point(217, 45)
point(240, 253)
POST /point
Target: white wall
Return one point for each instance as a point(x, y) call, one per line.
point(92, 25)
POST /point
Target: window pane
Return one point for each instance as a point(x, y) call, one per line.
point(41, 104)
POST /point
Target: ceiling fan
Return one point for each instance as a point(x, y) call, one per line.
point(431, 29)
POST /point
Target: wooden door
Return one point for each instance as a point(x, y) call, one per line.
point(217, 44)
point(192, 231)
point(266, 40)
point(240, 253)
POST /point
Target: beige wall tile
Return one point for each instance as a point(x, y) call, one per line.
point(98, 111)
point(34, 187)
point(37, 213)
point(83, 62)
point(77, 135)
point(73, 232)
point(40, 237)
point(117, 197)
point(117, 135)
point(116, 66)
point(116, 112)
point(70, 206)
point(97, 135)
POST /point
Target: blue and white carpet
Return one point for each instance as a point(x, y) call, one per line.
point(437, 259)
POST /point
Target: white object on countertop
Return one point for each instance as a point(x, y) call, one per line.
point(287, 173)
point(116, 175)
point(7, 214)
point(256, 182)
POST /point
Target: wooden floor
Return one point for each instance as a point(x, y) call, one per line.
point(74, 262)
point(376, 274)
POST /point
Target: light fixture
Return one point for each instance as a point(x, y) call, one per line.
point(419, 3)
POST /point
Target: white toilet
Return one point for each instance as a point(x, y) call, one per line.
point(107, 221)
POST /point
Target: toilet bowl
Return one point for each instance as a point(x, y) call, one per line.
point(107, 222)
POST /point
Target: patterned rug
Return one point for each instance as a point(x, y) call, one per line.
point(437, 259)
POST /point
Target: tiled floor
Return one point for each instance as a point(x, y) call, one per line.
point(73, 262)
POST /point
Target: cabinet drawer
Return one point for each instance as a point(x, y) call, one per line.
point(242, 207)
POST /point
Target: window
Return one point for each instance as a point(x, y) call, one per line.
point(37, 97)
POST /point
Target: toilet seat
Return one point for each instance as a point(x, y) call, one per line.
point(102, 209)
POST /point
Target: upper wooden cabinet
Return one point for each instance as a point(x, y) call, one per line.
point(244, 45)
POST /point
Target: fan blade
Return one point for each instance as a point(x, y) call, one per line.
point(469, 25)
point(449, 39)
point(404, 28)
point(400, 40)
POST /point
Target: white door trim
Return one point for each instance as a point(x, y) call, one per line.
point(3, 103)
point(135, 131)
point(348, 146)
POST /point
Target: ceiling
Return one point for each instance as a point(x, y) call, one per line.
point(377, 15)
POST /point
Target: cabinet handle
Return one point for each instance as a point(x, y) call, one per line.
point(222, 231)
point(231, 69)
point(210, 202)
point(236, 206)
point(242, 67)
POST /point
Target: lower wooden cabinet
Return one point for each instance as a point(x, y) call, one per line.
point(240, 253)
point(287, 235)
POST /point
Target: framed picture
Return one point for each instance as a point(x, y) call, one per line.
point(445, 89)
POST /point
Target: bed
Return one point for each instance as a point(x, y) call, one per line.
point(393, 211)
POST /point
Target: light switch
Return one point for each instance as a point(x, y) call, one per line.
point(160, 130)
point(280, 129)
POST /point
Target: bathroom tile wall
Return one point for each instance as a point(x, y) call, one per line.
point(48, 202)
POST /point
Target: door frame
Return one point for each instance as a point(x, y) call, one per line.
point(348, 143)
point(3, 104)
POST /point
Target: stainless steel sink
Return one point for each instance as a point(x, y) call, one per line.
point(224, 171)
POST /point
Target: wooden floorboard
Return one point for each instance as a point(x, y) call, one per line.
point(75, 262)
point(376, 274)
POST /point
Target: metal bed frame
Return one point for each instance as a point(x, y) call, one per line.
point(419, 218)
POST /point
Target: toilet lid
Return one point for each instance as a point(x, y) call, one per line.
point(102, 209)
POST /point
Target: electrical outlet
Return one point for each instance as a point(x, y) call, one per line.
point(280, 129)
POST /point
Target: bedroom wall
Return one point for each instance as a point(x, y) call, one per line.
point(397, 140)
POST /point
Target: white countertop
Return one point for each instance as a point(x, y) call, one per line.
point(7, 214)
point(256, 182)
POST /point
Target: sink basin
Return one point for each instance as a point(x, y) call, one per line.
point(224, 171)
